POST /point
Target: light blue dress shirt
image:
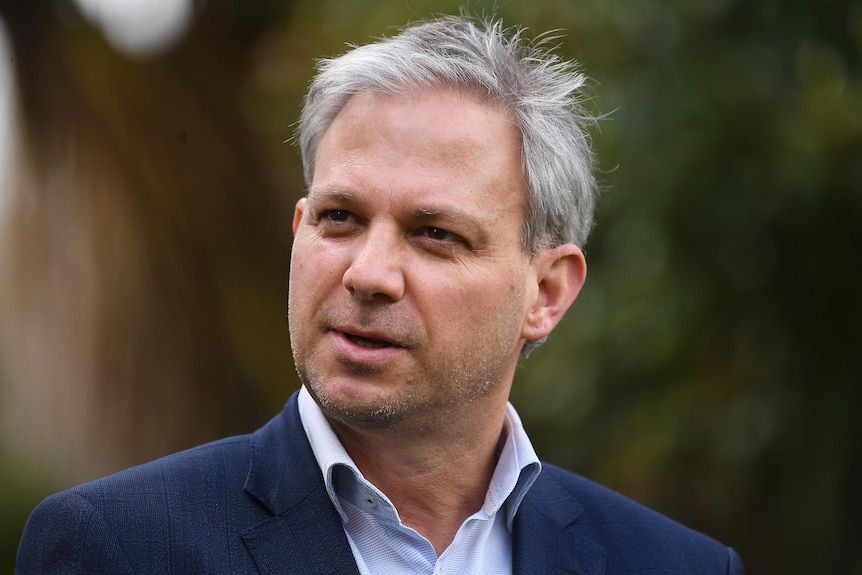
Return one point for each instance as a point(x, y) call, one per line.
point(382, 544)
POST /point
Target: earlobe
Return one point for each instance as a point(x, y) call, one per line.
point(560, 274)
point(298, 211)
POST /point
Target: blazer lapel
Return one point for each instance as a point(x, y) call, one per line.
point(304, 535)
point(302, 541)
point(545, 536)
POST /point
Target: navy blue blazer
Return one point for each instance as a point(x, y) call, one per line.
point(258, 504)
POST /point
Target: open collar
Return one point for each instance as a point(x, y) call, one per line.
point(304, 534)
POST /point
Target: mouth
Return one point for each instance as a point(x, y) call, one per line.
point(370, 339)
point(368, 342)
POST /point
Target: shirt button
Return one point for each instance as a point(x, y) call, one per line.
point(370, 502)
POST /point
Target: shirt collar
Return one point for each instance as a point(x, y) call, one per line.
point(517, 468)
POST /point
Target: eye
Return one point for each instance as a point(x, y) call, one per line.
point(335, 215)
point(337, 223)
point(441, 235)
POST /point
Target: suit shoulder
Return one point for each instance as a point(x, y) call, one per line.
point(189, 510)
point(145, 517)
point(67, 535)
point(171, 509)
point(603, 504)
point(224, 462)
point(634, 529)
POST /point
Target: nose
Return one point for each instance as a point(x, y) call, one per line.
point(376, 270)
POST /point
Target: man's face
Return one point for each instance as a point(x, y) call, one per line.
point(409, 285)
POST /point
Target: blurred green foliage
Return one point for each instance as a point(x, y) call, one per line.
point(711, 366)
point(22, 486)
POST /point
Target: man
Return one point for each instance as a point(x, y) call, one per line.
point(450, 186)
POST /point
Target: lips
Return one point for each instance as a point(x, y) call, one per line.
point(369, 338)
point(365, 349)
point(367, 342)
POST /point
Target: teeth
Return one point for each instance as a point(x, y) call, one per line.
point(365, 342)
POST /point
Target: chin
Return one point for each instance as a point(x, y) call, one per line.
point(364, 407)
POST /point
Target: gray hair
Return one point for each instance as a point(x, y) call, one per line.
point(543, 93)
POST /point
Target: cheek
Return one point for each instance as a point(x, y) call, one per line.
point(475, 303)
point(314, 267)
point(305, 280)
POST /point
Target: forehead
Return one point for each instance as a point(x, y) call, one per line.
point(436, 143)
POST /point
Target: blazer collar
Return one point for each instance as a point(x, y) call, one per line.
point(304, 535)
point(546, 537)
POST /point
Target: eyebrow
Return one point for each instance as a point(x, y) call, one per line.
point(471, 228)
point(444, 215)
point(331, 194)
point(462, 221)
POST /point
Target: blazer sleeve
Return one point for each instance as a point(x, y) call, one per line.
point(66, 535)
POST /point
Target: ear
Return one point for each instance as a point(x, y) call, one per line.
point(560, 273)
point(298, 211)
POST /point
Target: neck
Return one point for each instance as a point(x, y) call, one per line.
point(435, 480)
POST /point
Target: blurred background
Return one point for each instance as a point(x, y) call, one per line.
point(710, 369)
